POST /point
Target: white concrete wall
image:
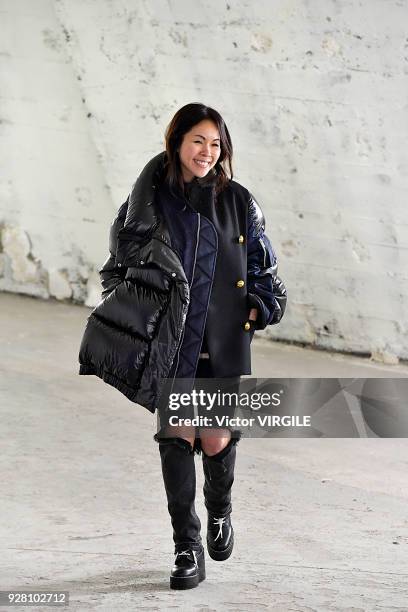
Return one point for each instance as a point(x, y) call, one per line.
point(55, 204)
point(314, 95)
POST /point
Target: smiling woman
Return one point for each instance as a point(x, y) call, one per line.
point(199, 152)
point(190, 276)
point(199, 149)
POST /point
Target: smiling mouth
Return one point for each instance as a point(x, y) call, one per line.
point(202, 164)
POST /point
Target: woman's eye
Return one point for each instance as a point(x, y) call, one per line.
point(199, 142)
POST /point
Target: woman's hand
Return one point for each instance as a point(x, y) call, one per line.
point(253, 314)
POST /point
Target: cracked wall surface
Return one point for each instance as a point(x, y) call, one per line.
point(55, 204)
point(314, 95)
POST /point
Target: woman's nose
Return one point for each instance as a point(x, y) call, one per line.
point(206, 149)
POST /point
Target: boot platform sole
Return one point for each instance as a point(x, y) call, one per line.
point(188, 582)
point(221, 555)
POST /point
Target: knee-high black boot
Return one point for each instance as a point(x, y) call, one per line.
point(219, 477)
point(178, 468)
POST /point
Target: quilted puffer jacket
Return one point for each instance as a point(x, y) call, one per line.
point(180, 274)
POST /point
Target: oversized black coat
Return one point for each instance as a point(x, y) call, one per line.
point(180, 272)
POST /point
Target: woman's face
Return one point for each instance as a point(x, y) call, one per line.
point(199, 150)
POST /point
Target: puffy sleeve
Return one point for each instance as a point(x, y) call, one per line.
point(266, 291)
point(111, 275)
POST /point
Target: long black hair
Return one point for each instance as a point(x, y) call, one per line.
point(183, 121)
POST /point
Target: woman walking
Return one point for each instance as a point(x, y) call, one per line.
point(190, 276)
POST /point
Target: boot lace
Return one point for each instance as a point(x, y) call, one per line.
point(219, 522)
point(186, 553)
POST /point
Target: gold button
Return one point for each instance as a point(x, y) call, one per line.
point(241, 239)
point(247, 326)
point(240, 283)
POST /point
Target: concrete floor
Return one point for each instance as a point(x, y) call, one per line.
point(321, 524)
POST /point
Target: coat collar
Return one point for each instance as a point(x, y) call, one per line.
point(142, 214)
